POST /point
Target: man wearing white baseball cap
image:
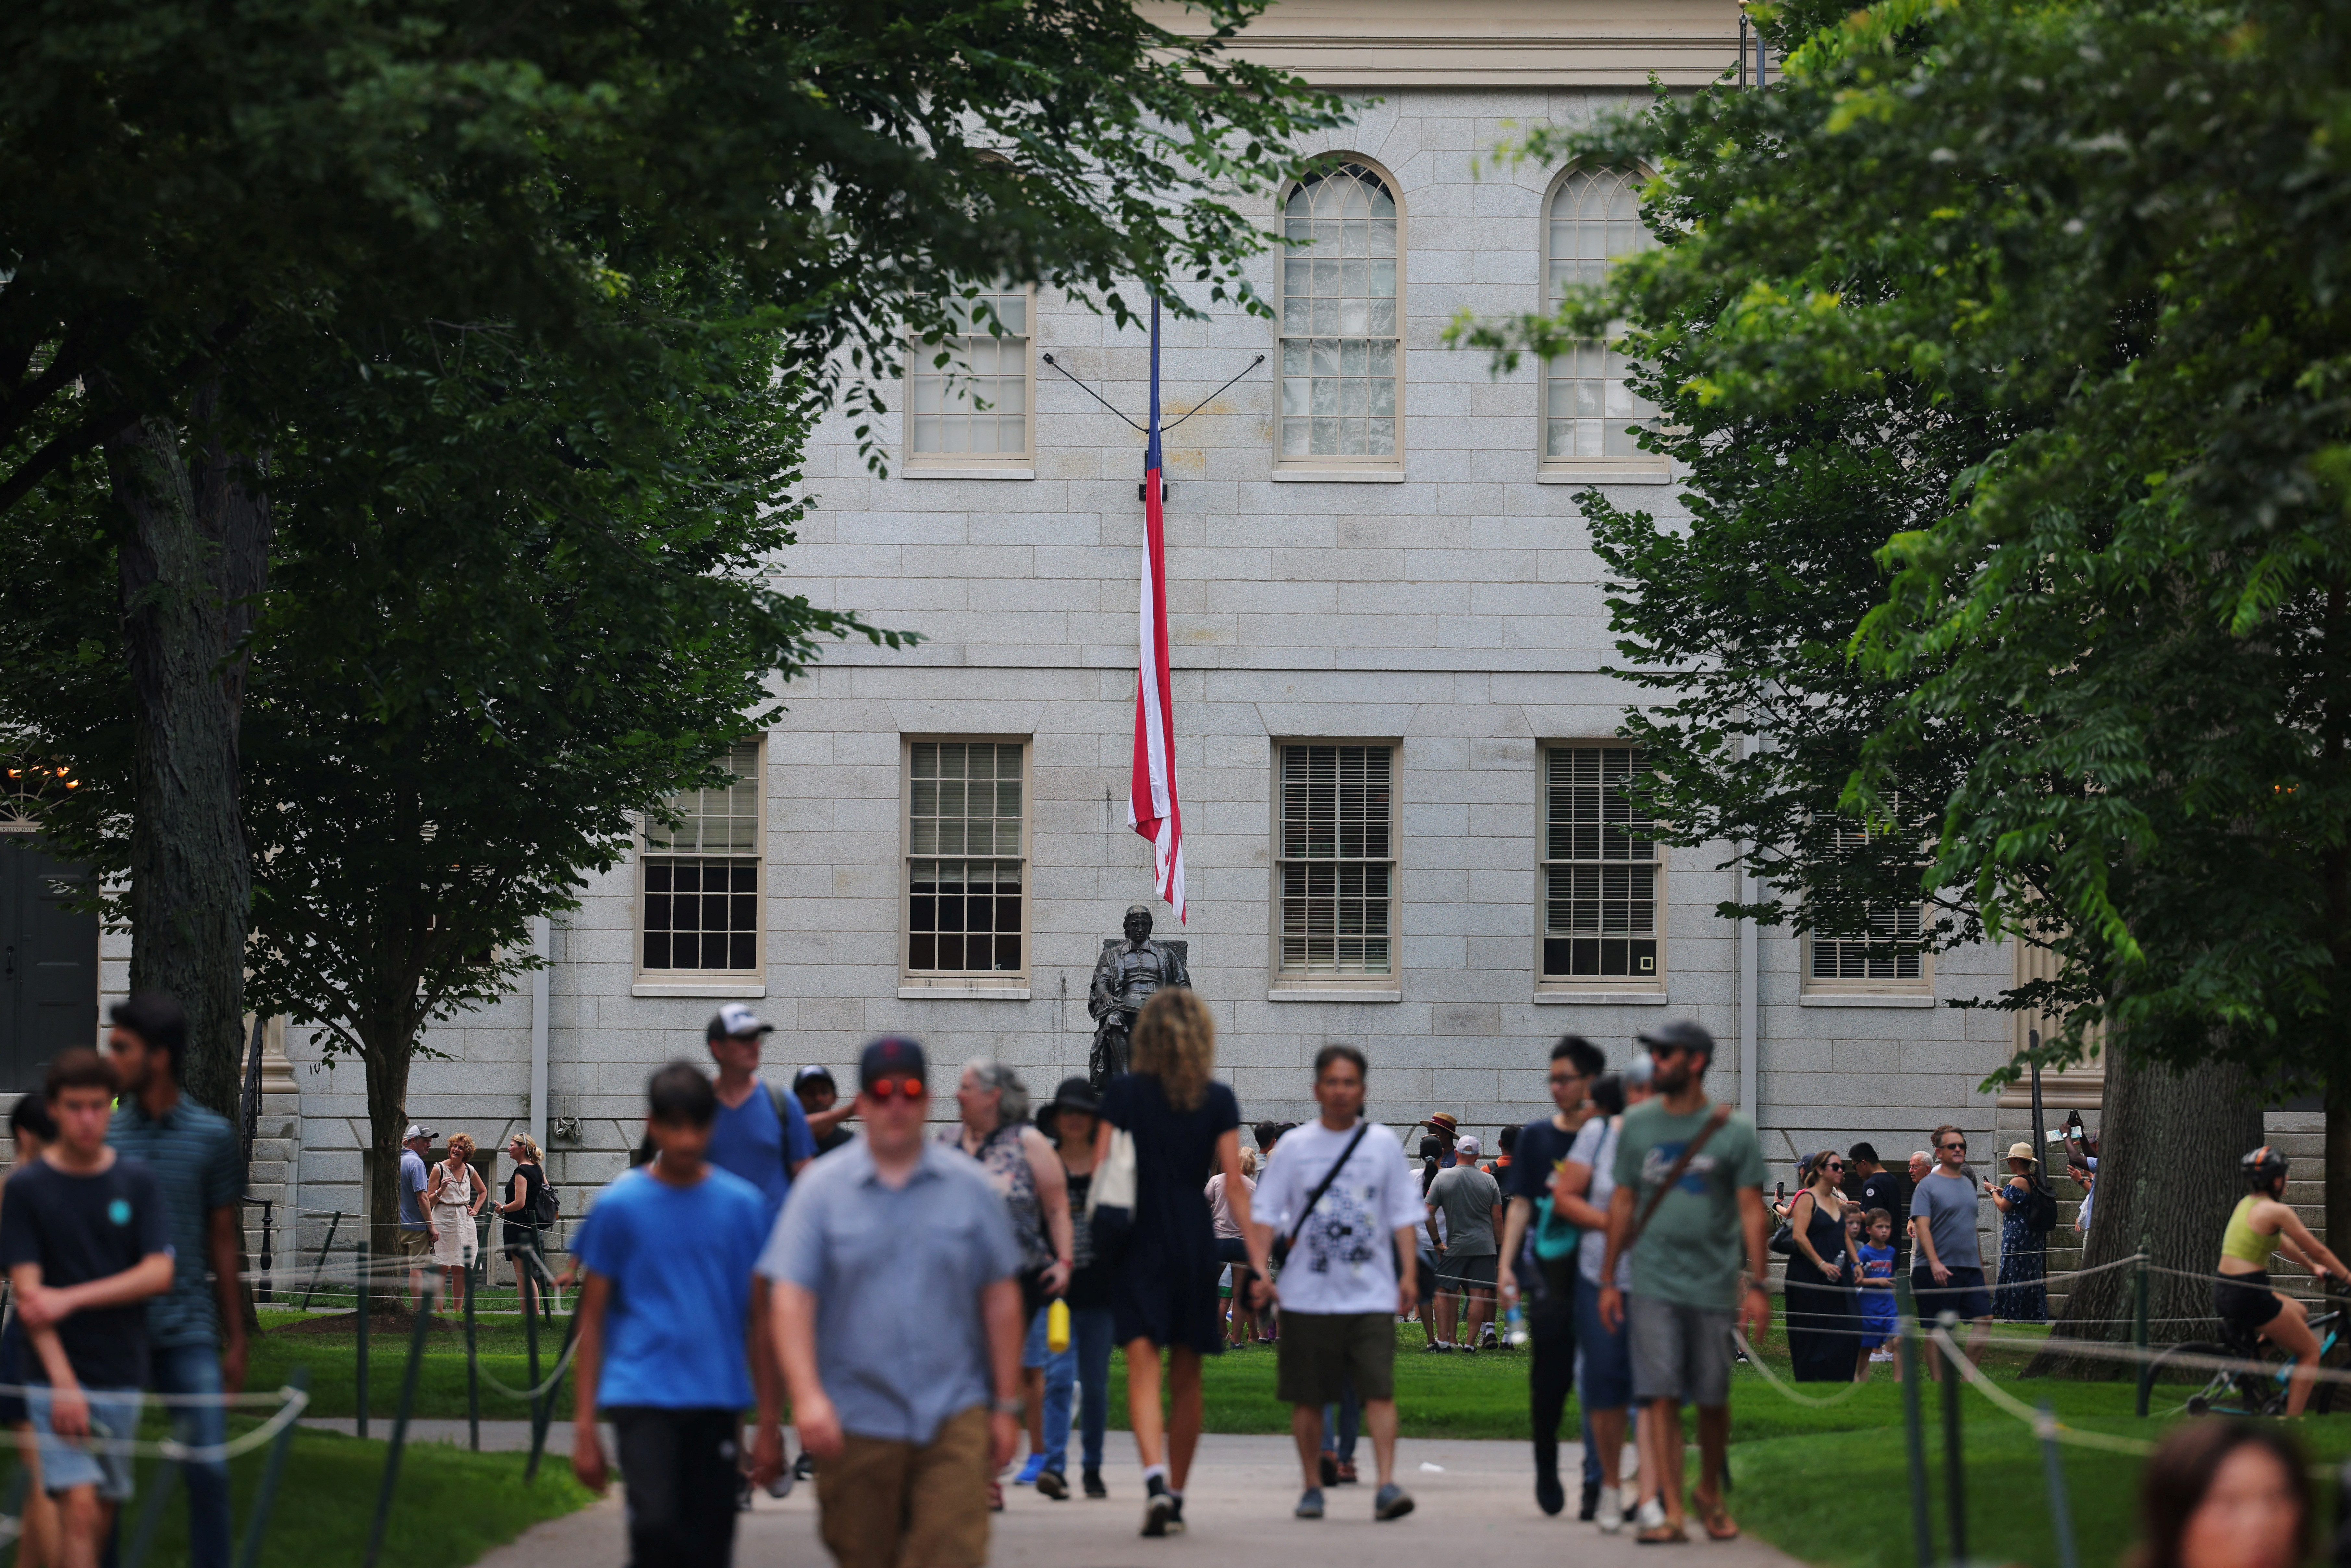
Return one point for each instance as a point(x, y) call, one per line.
point(762, 1136)
point(415, 1231)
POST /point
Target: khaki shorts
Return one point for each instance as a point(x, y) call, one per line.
point(416, 1246)
point(897, 1505)
point(1319, 1352)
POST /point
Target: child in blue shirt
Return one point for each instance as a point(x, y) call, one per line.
point(1877, 1303)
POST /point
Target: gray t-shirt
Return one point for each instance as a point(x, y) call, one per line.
point(1947, 1203)
point(1467, 1196)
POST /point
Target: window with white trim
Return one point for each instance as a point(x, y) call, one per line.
point(1334, 862)
point(1603, 878)
point(698, 894)
point(966, 861)
point(1588, 410)
point(968, 396)
point(1879, 952)
point(1342, 308)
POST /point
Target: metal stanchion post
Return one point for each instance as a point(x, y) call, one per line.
point(2061, 1512)
point(400, 1423)
point(473, 1373)
point(2138, 1329)
point(360, 1288)
point(530, 1338)
point(1954, 1472)
point(266, 1206)
point(546, 1411)
point(332, 1225)
point(1914, 1367)
point(264, 1496)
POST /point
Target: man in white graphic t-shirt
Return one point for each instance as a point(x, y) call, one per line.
point(1339, 1291)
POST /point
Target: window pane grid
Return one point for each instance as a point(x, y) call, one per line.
point(1600, 871)
point(965, 799)
point(1884, 947)
point(1336, 861)
point(1595, 216)
point(1339, 318)
point(701, 877)
point(978, 405)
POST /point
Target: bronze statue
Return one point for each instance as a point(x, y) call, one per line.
point(1125, 978)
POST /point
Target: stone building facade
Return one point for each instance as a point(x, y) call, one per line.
point(1395, 733)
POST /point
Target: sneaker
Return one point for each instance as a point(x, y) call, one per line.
point(1329, 1469)
point(804, 1468)
point(1393, 1502)
point(1550, 1496)
point(1611, 1517)
point(1093, 1481)
point(1434, 1346)
point(1030, 1471)
point(1158, 1507)
point(1651, 1515)
point(1466, 1348)
point(1309, 1504)
point(1176, 1520)
point(743, 1494)
point(1589, 1508)
point(1347, 1476)
point(1053, 1484)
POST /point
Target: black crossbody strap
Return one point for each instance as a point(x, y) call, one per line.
point(1325, 1185)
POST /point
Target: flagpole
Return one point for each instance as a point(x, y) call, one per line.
point(1152, 810)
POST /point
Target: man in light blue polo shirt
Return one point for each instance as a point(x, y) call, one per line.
point(898, 1321)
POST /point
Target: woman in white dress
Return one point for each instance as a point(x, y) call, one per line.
point(452, 1195)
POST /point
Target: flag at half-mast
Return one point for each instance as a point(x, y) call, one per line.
point(1152, 808)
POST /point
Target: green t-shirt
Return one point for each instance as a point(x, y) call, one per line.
point(1691, 1252)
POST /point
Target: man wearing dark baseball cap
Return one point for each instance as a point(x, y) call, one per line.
point(761, 1134)
point(1688, 1208)
point(898, 1319)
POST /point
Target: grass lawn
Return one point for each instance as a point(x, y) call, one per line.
point(449, 1507)
point(1828, 1485)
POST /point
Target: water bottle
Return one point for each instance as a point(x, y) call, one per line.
point(1514, 1328)
point(1057, 1326)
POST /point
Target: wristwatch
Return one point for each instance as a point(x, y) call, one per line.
point(1016, 1408)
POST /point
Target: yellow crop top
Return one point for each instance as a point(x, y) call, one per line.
point(2241, 1242)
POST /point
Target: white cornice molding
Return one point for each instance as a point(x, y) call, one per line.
point(1487, 43)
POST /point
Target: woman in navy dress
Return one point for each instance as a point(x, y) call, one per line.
point(1163, 1283)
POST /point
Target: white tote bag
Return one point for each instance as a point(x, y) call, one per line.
point(1110, 1199)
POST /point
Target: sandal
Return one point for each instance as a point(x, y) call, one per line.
point(995, 1496)
point(1719, 1525)
point(1663, 1535)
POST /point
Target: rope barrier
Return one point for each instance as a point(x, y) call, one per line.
point(1785, 1390)
point(544, 1389)
point(2017, 1408)
point(292, 1402)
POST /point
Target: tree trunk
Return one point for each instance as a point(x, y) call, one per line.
point(194, 553)
point(386, 1055)
point(2168, 1146)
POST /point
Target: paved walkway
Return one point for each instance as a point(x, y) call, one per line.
point(1478, 1500)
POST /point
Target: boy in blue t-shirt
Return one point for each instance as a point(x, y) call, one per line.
point(1877, 1303)
point(673, 1326)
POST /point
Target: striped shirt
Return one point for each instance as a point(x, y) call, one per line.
point(195, 1158)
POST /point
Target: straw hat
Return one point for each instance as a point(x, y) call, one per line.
point(2022, 1152)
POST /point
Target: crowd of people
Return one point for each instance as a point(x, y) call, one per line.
point(918, 1300)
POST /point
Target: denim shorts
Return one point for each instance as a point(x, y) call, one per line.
point(113, 1413)
point(1605, 1380)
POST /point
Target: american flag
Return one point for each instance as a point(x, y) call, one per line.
point(1152, 808)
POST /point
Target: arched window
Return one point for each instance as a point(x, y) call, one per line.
point(1339, 321)
point(1595, 216)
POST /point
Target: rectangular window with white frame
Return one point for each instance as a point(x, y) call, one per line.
point(966, 861)
point(699, 881)
point(1603, 875)
point(969, 395)
point(1334, 865)
point(1879, 954)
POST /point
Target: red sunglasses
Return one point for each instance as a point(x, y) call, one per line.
point(887, 1089)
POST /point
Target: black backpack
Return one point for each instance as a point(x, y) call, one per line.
point(546, 1204)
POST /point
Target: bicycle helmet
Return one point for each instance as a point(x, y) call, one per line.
point(2263, 1168)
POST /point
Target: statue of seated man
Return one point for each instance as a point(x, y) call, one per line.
point(1125, 976)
